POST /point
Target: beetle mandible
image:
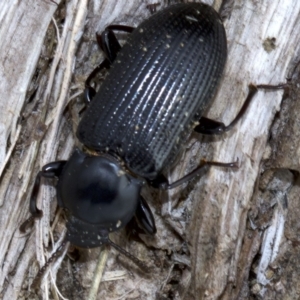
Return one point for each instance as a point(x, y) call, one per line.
point(154, 95)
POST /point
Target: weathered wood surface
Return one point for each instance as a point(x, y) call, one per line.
point(214, 241)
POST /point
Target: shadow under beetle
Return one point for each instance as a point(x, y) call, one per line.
point(154, 95)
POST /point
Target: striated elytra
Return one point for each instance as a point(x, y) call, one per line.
point(158, 87)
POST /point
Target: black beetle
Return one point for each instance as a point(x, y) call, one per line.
point(154, 95)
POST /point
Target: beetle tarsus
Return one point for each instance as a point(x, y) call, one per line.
point(143, 266)
point(37, 280)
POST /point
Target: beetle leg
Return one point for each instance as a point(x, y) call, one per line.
point(138, 262)
point(212, 127)
point(50, 170)
point(37, 280)
point(142, 223)
point(209, 126)
point(109, 44)
point(145, 217)
point(159, 181)
point(89, 91)
point(152, 7)
point(199, 171)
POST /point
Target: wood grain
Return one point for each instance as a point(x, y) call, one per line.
point(212, 232)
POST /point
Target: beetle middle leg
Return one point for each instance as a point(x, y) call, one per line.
point(110, 45)
point(212, 127)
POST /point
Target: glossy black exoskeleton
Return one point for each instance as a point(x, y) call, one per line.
point(155, 93)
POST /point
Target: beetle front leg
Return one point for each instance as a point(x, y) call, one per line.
point(50, 170)
point(212, 127)
point(143, 221)
point(145, 217)
point(162, 182)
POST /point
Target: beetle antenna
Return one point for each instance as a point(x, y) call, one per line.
point(143, 266)
point(37, 280)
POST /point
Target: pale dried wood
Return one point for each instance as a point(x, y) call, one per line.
point(215, 207)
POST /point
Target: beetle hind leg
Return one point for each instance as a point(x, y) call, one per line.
point(212, 127)
point(108, 41)
point(110, 45)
